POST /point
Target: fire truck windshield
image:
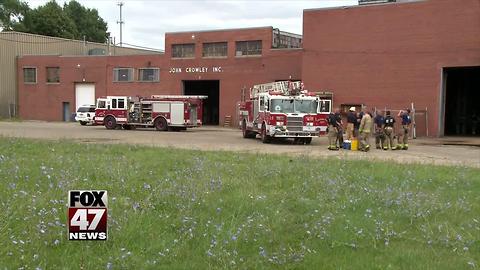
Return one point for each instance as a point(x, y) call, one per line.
point(293, 106)
point(305, 106)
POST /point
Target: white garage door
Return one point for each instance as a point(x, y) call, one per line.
point(84, 94)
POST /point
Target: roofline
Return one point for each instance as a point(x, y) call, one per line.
point(75, 40)
point(78, 56)
point(219, 30)
point(363, 6)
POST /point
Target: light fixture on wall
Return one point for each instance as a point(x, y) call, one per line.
point(83, 72)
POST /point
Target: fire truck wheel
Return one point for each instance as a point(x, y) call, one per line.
point(264, 136)
point(110, 122)
point(247, 134)
point(161, 124)
point(308, 140)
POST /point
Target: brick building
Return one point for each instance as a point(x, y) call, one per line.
point(16, 44)
point(214, 63)
point(386, 55)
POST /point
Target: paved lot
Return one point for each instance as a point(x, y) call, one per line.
point(430, 151)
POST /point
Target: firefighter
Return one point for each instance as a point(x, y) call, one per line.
point(338, 118)
point(378, 122)
point(405, 129)
point(356, 126)
point(351, 121)
point(365, 129)
point(332, 132)
point(389, 124)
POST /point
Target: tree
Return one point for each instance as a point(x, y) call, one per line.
point(12, 13)
point(50, 20)
point(87, 21)
point(72, 21)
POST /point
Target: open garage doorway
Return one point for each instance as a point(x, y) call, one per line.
point(462, 97)
point(211, 104)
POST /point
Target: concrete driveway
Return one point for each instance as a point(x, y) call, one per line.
point(429, 151)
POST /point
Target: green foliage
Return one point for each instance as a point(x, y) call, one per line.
point(72, 21)
point(179, 209)
point(50, 20)
point(87, 21)
point(12, 13)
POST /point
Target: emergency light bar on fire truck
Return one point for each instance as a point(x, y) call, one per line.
point(163, 112)
point(283, 110)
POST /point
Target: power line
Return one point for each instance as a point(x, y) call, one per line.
point(143, 47)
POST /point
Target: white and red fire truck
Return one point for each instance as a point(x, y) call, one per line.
point(283, 110)
point(162, 112)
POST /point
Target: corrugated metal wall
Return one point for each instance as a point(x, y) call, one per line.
point(14, 44)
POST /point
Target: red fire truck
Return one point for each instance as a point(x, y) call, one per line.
point(283, 110)
point(163, 112)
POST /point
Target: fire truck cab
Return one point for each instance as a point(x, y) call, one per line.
point(283, 110)
point(162, 112)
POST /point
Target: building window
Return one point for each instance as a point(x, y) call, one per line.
point(30, 75)
point(286, 40)
point(251, 47)
point(123, 74)
point(215, 49)
point(149, 74)
point(53, 74)
point(183, 50)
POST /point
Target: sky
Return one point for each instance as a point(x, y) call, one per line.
point(147, 21)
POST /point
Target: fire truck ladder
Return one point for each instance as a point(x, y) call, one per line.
point(283, 86)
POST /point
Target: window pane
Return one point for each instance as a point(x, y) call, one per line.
point(30, 75)
point(251, 47)
point(183, 50)
point(114, 103)
point(149, 74)
point(123, 74)
point(121, 103)
point(53, 74)
point(101, 104)
point(83, 109)
point(216, 49)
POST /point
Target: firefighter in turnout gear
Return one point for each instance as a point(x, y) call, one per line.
point(379, 122)
point(332, 131)
point(351, 121)
point(338, 118)
point(389, 123)
point(364, 130)
point(405, 129)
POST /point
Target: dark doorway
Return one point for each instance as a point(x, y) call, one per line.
point(211, 104)
point(66, 111)
point(462, 112)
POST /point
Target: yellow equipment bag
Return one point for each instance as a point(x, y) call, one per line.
point(354, 145)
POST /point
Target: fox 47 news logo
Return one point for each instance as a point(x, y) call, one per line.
point(87, 215)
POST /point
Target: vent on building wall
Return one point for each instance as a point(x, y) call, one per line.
point(96, 51)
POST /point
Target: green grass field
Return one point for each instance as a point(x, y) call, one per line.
point(178, 209)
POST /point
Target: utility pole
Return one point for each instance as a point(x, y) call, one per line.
point(121, 22)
